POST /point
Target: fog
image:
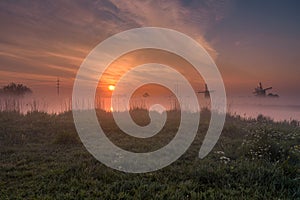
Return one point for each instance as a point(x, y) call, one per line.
point(278, 109)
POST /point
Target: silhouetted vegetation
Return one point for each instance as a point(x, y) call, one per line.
point(43, 158)
point(14, 89)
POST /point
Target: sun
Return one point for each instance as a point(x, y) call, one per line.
point(111, 87)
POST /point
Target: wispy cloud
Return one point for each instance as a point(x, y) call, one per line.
point(190, 17)
point(42, 36)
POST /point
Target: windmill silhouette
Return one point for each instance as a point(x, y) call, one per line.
point(206, 92)
point(262, 92)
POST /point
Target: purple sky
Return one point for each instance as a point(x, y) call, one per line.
point(250, 41)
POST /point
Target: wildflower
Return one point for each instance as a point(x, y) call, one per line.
point(224, 159)
point(220, 152)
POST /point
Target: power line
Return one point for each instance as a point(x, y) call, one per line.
point(57, 85)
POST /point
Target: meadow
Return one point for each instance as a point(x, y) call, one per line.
point(43, 158)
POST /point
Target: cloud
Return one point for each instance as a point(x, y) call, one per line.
point(190, 17)
point(53, 38)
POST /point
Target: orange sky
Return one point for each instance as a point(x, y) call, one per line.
point(135, 58)
point(43, 40)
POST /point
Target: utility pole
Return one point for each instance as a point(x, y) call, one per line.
point(176, 96)
point(57, 86)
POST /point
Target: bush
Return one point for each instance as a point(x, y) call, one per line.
point(271, 144)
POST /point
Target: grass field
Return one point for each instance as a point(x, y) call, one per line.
point(43, 158)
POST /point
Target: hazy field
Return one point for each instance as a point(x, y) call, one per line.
point(42, 158)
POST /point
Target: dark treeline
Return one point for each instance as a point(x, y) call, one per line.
point(14, 89)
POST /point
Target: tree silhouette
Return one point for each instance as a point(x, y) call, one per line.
point(16, 89)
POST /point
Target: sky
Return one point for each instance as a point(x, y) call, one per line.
point(250, 41)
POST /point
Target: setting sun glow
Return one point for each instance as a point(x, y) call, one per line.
point(111, 87)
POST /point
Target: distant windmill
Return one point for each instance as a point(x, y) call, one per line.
point(146, 95)
point(206, 92)
point(261, 92)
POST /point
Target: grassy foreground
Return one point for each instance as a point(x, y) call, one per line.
point(41, 157)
